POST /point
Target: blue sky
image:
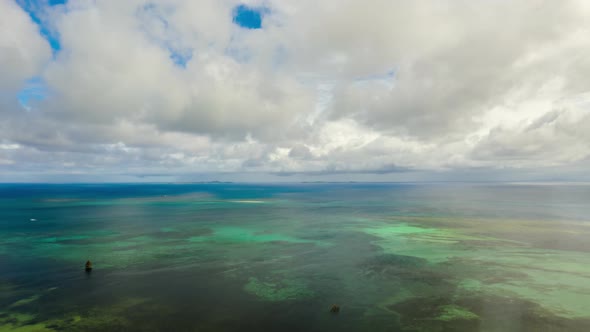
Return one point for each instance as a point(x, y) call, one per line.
point(36, 10)
point(34, 88)
point(248, 17)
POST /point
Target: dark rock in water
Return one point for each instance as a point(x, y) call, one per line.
point(88, 266)
point(335, 309)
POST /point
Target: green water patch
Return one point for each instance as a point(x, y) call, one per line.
point(406, 270)
point(65, 239)
point(454, 312)
point(117, 316)
point(184, 233)
point(121, 316)
point(7, 290)
point(564, 292)
point(406, 229)
point(17, 322)
point(433, 244)
point(557, 294)
point(172, 246)
point(228, 234)
point(570, 235)
point(558, 280)
point(427, 236)
point(471, 285)
point(277, 289)
point(402, 278)
point(25, 301)
point(113, 250)
point(17, 318)
point(248, 201)
point(476, 312)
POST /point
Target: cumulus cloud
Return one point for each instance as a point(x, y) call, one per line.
point(23, 52)
point(333, 87)
point(558, 137)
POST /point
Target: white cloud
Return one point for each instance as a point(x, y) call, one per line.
point(23, 52)
point(329, 86)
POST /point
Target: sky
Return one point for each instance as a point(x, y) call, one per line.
point(287, 91)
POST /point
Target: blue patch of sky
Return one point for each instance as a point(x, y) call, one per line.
point(36, 10)
point(181, 59)
point(249, 17)
point(35, 90)
point(155, 15)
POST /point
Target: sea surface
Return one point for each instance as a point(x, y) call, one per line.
point(246, 257)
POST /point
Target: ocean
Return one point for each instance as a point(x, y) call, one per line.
point(278, 257)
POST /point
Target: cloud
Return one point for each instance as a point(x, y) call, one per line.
point(557, 137)
point(328, 88)
point(455, 62)
point(23, 52)
point(117, 64)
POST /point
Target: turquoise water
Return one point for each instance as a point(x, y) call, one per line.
point(230, 257)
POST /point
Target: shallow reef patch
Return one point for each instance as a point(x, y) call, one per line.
point(278, 289)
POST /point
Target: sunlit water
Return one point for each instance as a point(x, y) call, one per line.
point(227, 257)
